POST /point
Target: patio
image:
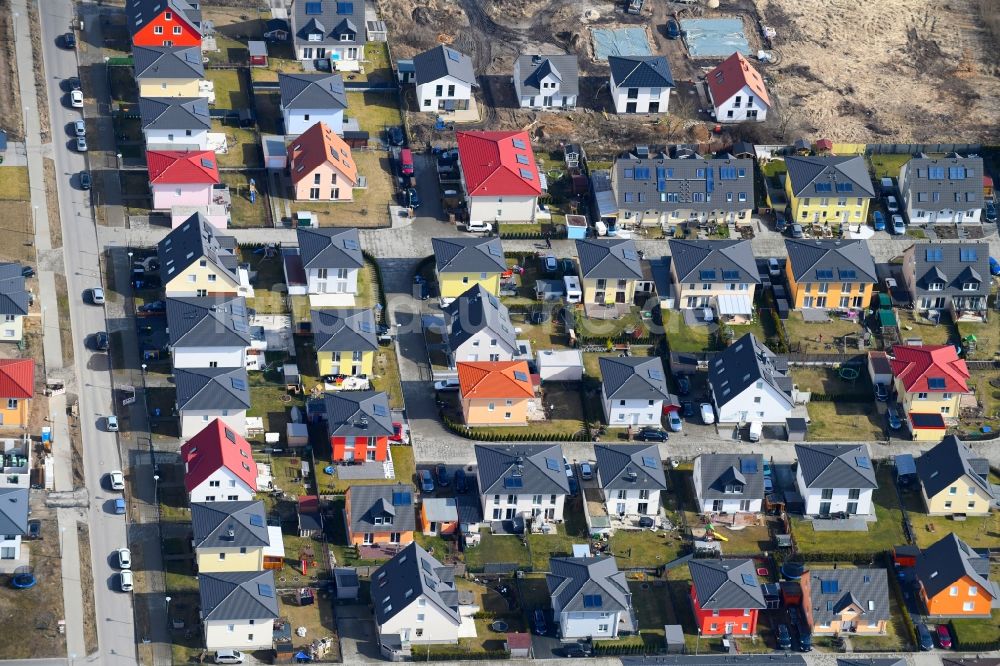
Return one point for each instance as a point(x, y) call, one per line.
point(379, 551)
point(607, 310)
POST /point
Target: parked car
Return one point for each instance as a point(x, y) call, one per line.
point(683, 384)
point(994, 267)
point(780, 221)
point(442, 476)
point(586, 471)
point(406, 162)
point(567, 266)
point(81, 144)
point(567, 467)
point(892, 415)
point(795, 231)
point(111, 423)
point(34, 529)
point(69, 41)
point(229, 657)
point(688, 409)
point(773, 267)
point(673, 30)
point(426, 481)
point(768, 485)
point(805, 640)
point(27, 271)
point(125, 580)
point(576, 651)
point(409, 198)
point(783, 637)
point(76, 98)
point(124, 558)
point(120, 506)
point(756, 431)
point(538, 622)
point(674, 421)
point(651, 434)
point(898, 226)
point(101, 341)
point(944, 637)
point(446, 384)
point(878, 220)
point(79, 128)
point(461, 481)
point(550, 264)
point(707, 413)
point(116, 479)
point(85, 180)
point(395, 135)
point(990, 211)
point(924, 637)
point(881, 391)
point(70, 84)
point(891, 204)
point(421, 290)
point(479, 227)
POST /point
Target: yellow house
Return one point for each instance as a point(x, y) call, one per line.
point(17, 386)
point(345, 341)
point(168, 71)
point(195, 260)
point(953, 481)
point(830, 190)
point(233, 536)
point(830, 274)
point(846, 601)
point(495, 393)
point(609, 270)
point(461, 263)
point(929, 379)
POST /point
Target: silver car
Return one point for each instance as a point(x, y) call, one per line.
point(81, 144)
point(80, 128)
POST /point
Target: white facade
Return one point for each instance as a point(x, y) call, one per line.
point(917, 215)
point(11, 328)
point(586, 624)
point(223, 486)
point(621, 413)
point(742, 106)
point(431, 96)
point(297, 121)
point(331, 287)
point(502, 208)
point(337, 54)
point(194, 421)
point(626, 502)
point(239, 634)
point(209, 357)
point(822, 501)
point(739, 503)
point(640, 100)
point(422, 622)
point(10, 546)
point(760, 402)
point(176, 139)
point(549, 96)
point(484, 345)
point(506, 506)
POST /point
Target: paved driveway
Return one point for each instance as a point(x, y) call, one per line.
point(356, 629)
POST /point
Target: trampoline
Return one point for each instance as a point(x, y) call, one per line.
point(848, 373)
point(23, 578)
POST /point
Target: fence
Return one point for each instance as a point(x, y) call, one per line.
point(914, 148)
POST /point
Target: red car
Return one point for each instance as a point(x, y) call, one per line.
point(944, 638)
point(397, 432)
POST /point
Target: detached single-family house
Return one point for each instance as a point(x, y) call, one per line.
point(590, 598)
point(330, 30)
point(358, 425)
point(206, 394)
point(14, 302)
point(345, 341)
point(737, 91)
point(640, 84)
point(182, 178)
point(17, 387)
point(830, 274)
point(208, 332)
point(955, 580)
point(609, 270)
point(499, 175)
point(461, 263)
point(835, 478)
point(749, 383)
point(231, 536)
point(929, 379)
point(196, 260)
point(444, 79)
point(321, 166)
point(163, 22)
point(546, 81)
point(845, 601)
point(331, 259)
point(381, 515)
point(726, 597)
point(953, 481)
point(307, 99)
point(828, 189)
point(13, 525)
point(521, 481)
point(478, 327)
point(633, 389)
point(175, 123)
point(720, 274)
point(494, 393)
point(942, 190)
point(238, 610)
point(954, 277)
point(168, 71)
point(729, 482)
point(631, 477)
point(219, 465)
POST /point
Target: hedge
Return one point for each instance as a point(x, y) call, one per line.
point(911, 630)
point(466, 432)
point(971, 646)
point(622, 646)
point(455, 653)
point(370, 258)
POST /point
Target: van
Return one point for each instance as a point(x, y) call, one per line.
point(406, 162)
point(228, 657)
point(756, 429)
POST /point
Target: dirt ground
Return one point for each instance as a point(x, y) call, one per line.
point(11, 117)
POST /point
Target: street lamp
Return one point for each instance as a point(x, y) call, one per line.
point(143, 369)
point(119, 156)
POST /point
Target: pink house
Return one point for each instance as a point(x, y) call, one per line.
point(321, 165)
point(179, 178)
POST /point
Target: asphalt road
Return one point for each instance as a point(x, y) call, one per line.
point(116, 633)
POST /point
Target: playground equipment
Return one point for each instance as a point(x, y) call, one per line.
point(848, 373)
point(715, 533)
point(23, 578)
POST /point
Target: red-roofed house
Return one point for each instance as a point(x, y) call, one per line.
point(737, 91)
point(219, 465)
point(929, 379)
point(17, 386)
point(179, 178)
point(163, 23)
point(500, 175)
point(321, 165)
point(495, 393)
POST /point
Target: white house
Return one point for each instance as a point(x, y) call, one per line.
point(518, 482)
point(590, 598)
point(546, 81)
point(14, 521)
point(640, 84)
point(330, 259)
point(13, 302)
point(945, 190)
point(478, 328)
point(747, 384)
point(834, 478)
point(330, 32)
point(208, 332)
point(219, 465)
point(737, 91)
point(206, 394)
point(238, 609)
point(500, 176)
point(631, 476)
point(729, 482)
point(444, 79)
point(175, 123)
point(307, 99)
point(633, 389)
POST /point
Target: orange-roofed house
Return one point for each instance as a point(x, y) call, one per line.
point(322, 166)
point(929, 379)
point(17, 386)
point(179, 178)
point(500, 176)
point(495, 393)
point(737, 91)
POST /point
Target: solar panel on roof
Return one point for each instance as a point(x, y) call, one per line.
point(968, 254)
point(257, 520)
point(649, 461)
point(518, 143)
point(520, 376)
point(240, 326)
point(730, 276)
point(239, 384)
point(552, 464)
point(592, 601)
point(351, 244)
point(380, 410)
point(748, 579)
point(526, 174)
point(830, 586)
point(345, 8)
point(845, 187)
point(495, 250)
point(207, 163)
point(847, 274)
point(401, 498)
point(934, 254)
point(824, 187)
point(265, 590)
point(521, 159)
point(513, 482)
point(365, 326)
point(863, 462)
point(426, 566)
point(452, 55)
point(656, 374)
point(935, 383)
point(824, 274)
point(314, 8)
point(631, 255)
point(706, 276)
point(748, 465)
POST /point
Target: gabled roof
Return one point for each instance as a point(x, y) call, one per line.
point(329, 247)
point(178, 167)
point(832, 591)
point(474, 311)
point(722, 470)
point(930, 368)
point(534, 68)
point(640, 72)
point(201, 389)
point(389, 500)
point(14, 511)
point(320, 145)
point(952, 266)
point(229, 524)
point(443, 61)
point(587, 584)
point(629, 466)
point(950, 177)
point(207, 321)
point(494, 379)
point(17, 379)
point(831, 261)
point(644, 180)
point(836, 466)
point(714, 261)
point(245, 595)
point(13, 295)
point(729, 77)
point(215, 447)
point(633, 378)
point(521, 469)
point(413, 573)
point(312, 91)
point(174, 113)
point(344, 330)
point(740, 366)
point(947, 561)
point(194, 240)
point(358, 414)
point(468, 255)
point(608, 258)
point(949, 461)
point(168, 62)
point(140, 13)
point(331, 19)
point(829, 176)
point(726, 584)
point(498, 164)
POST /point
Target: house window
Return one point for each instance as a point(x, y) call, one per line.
point(973, 590)
point(177, 30)
point(316, 177)
point(969, 606)
point(947, 504)
point(536, 499)
point(921, 396)
point(491, 407)
point(854, 493)
point(420, 617)
point(953, 591)
point(972, 504)
point(602, 628)
point(158, 30)
point(954, 489)
point(827, 494)
point(419, 632)
point(11, 403)
point(552, 499)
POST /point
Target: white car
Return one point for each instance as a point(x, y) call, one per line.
point(80, 128)
point(446, 385)
point(111, 423)
point(773, 267)
point(707, 413)
point(891, 204)
point(124, 558)
point(125, 580)
point(478, 227)
point(97, 296)
point(674, 421)
point(229, 657)
point(76, 99)
point(898, 226)
point(117, 480)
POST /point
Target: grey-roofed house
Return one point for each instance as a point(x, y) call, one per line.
point(955, 580)
point(835, 478)
point(954, 481)
point(655, 188)
point(846, 601)
point(14, 302)
point(720, 274)
point(444, 78)
point(828, 189)
point(175, 123)
point(954, 277)
point(726, 596)
point(329, 30)
point(610, 271)
point(330, 260)
point(590, 598)
point(344, 340)
point(208, 331)
point(478, 328)
point(631, 477)
point(238, 609)
point(358, 424)
point(13, 526)
point(546, 81)
point(749, 383)
point(942, 190)
point(231, 536)
point(640, 84)
point(461, 262)
point(512, 476)
point(196, 260)
point(729, 482)
point(383, 515)
point(828, 274)
point(167, 67)
point(205, 394)
point(633, 390)
point(307, 99)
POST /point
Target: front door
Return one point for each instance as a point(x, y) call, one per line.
point(635, 418)
point(654, 107)
point(509, 514)
point(824, 508)
point(369, 539)
point(620, 297)
point(433, 527)
point(630, 107)
point(729, 627)
point(852, 508)
point(620, 508)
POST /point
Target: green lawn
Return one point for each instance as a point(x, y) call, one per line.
point(369, 207)
point(829, 381)
point(756, 327)
point(919, 234)
point(684, 338)
point(387, 376)
point(566, 415)
point(983, 630)
point(888, 165)
point(611, 328)
point(844, 422)
point(243, 147)
point(814, 337)
point(545, 546)
point(642, 548)
point(653, 610)
point(912, 325)
point(402, 462)
point(244, 213)
point(773, 168)
point(230, 91)
point(374, 111)
point(977, 531)
point(987, 338)
point(988, 395)
point(377, 65)
point(497, 549)
point(14, 183)
point(180, 576)
point(271, 400)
